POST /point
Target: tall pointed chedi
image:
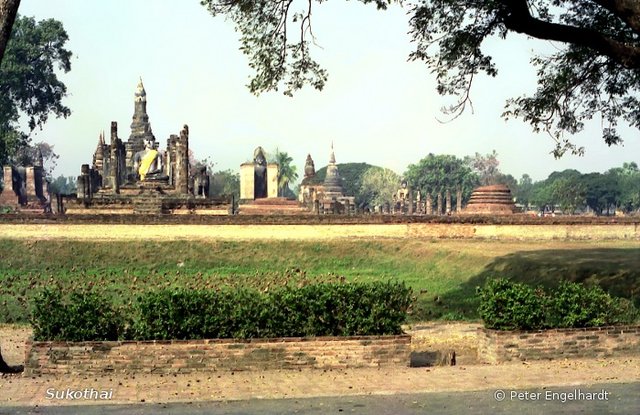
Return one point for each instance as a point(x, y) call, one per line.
point(332, 181)
point(140, 126)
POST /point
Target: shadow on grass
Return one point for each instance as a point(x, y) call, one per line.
point(617, 271)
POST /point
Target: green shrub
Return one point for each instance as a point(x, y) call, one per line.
point(507, 305)
point(197, 314)
point(313, 310)
point(575, 305)
point(83, 316)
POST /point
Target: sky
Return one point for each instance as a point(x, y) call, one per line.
point(376, 106)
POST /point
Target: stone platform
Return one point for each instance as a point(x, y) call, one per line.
point(272, 206)
point(491, 200)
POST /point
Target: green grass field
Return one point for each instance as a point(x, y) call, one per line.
point(443, 273)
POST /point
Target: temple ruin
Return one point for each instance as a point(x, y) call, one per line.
point(491, 200)
point(327, 196)
point(136, 177)
point(26, 188)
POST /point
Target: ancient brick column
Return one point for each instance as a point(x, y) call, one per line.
point(448, 201)
point(459, 199)
point(182, 161)
point(30, 184)
point(410, 199)
point(113, 168)
point(272, 180)
point(440, 208)
point(429, 208)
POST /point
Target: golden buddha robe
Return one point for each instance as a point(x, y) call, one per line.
point(146, 162)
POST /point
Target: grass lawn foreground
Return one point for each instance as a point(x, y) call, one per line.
point(443, 273)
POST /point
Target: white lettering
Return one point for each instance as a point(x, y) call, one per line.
point(76, 394)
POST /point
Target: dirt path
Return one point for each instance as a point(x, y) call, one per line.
point(224, 385)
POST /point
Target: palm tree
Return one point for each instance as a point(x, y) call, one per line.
point(286, 172)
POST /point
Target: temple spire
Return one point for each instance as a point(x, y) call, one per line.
point(141, 94)
point(332, 157)
point(140, 126)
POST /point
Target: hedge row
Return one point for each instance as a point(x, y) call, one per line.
point(314, 310)
point(507, 305)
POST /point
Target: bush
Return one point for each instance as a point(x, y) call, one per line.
point(575, 305)
point(198, 314)
point(507, 305)
point(313, 310)
point(83, 316)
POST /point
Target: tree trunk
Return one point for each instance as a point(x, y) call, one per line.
point(8, 12)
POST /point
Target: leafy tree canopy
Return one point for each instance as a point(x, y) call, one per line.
point(225, 182)
point(436, 174)
point(29, 85)
point(63, 185)
point(379, 186)
point(287, 173)
point(594, 73)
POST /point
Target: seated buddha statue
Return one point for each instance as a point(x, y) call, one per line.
point(147, 163)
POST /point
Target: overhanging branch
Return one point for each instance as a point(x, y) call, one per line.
point(516, 17)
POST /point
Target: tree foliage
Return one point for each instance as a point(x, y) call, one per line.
point(29, 85)
point(64, 185)
point(286, 172)
point(436, 174)
point(594, 73)
point(485, 166)
point(28, 154)
point(602, 193)
point(379, 185)
point(225, 182)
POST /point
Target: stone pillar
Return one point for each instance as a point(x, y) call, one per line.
point(447, 197)
point(246, 181)
point(171, 158)
point(410, 201)
point(182, 162)
point(113, 169)
point(439, 208)
point(272, 180)
point(429, 209)
point(7, 178)
point(9, 196)
point(30, 184)
point(459, 199)
point(84, 185)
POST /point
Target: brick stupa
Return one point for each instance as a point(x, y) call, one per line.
point(491, 200)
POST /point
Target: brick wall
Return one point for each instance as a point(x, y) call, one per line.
point(184, 356)
point(496, 346)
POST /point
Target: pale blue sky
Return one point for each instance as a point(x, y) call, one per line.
point(376, 107)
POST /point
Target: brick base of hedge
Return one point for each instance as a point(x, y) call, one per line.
point(186, 356)
point(496, 346)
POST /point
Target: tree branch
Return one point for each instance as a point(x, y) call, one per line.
point(518, 18)
point(627, 10)
point(8, 12)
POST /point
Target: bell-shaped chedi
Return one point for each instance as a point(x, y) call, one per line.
point(491, 200)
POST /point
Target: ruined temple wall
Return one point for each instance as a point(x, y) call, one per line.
point(8, 197)
point(246, 181)
point(272, 180)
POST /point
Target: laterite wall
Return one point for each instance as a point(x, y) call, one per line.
point(185, 356)
point(496, 346)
